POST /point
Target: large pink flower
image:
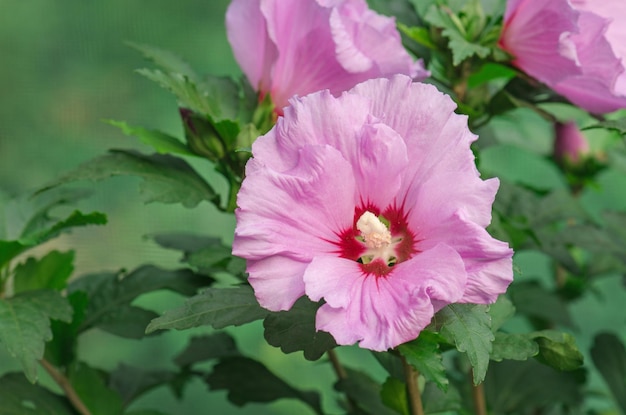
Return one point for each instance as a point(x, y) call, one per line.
point(372, 202)
point(576, 47)
point(295, 47)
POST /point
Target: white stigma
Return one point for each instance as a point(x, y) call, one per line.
point(375, 234)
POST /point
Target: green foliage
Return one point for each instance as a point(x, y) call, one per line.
point(294, 330)
point(513, 347)
point(161, 142)
point(558, 350)
point(25, 325)
point(129, 382)
point(19, 397)
point(247, 380)
point(49, 272)
point(208, 347)
point(364, 393)
point(393, 395)
point(216, 307)
point(423, 353)
point(468, 327)
point(609, 356)
point(90, 385)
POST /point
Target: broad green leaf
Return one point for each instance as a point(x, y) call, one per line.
point(166, 179)
point(294, 330)
point(216, 307)
point(423, 354)
point(208, 347)
point(468, 326)
point(167, 60)
point(618, 125)
point(161, 142)
point(131, 382)
point(392, 363)
point(394, 396)
point(25, 325)
point(513, 347)
point(110, 297)
point(420, 35)
point(437, 401)
point(609, 356)
point(247, 381)
point(61, 350)
point(500, 311)
point(19, 397)
point(491, 72)
point(557, 350)
point(525, 387)
point(90, 386)
point(364, 392)
point(532, 300)
point(49, 272)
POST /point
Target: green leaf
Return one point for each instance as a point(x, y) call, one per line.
point(145, 412)
point(19, 397)
point(161, 142)
point(294, 330)
point(394, 396)
point(500, 311)
point(216, 307)
point(61, 350)
point(420, 35)
point(618, 126)
point(532, 300)
point(166, 179)
point(247, 381)
point(90, 386)
point(558, 350)
point(51, 271)
point(364, 392)
point(131, 382)
point(208, 347)
point(110, 297)
point(609, 356)
point(423, 354)
point(25, 325)
point(468, 326)
point(491, 72)
point(513, 347)
point(437, 401)
point(166, 60)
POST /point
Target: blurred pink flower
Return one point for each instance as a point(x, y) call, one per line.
point(576, 47)
point(569, 144)
point(295, 47)
point(372, 202)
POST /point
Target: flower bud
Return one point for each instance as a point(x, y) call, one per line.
point(201, 136)
point(570, 145)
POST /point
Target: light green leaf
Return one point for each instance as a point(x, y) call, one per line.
point(216, 307)
point(513, 347)
point(25, 325)
point(468, 326)
point(166, 179)
point(558, 350)
point(161, 142)
point(394, 396)
point(90, 385)
point(295, 330)
point(49, 272)
point(609, 356)
point(618, 126)
point(19, 397)
point(423, 353)
point(500, 311)
point(247, 380)
point(420, 35)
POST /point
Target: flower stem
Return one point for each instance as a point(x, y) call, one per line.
point(334, 360)
point(478, 395)
point(67, 387)
point(413, 391)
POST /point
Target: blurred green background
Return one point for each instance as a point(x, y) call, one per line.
point(66, 68)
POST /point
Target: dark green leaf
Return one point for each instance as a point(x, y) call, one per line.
point(364, 392)
point(61, 350)
point(131, 382)
point(468, 326)
point(49, 272)
point(423, 353)
point(247, 380)
point(394, 396)
point(145, 412)
point(437, 401)
point(90, 386)
point(392, 364)
point(528, 386)
point(166, 179)
point(19, 397)
point(161, 142)
point(513, 347)
point(557, 350)
point(212, 346)
point(25, 325)
point(111, 295)
point(532, 300)
point(294, 330)
point(166, 60)
point(609, 356)
point(216, 307)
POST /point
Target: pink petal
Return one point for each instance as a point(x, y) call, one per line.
point(277, 281)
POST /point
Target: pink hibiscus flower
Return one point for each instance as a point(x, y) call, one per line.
point(570, 144)
point(576, 47)
point(372, 202)
point(295, 47)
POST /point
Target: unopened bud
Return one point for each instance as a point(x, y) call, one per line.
point(570, 145)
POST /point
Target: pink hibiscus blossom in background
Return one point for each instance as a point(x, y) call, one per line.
point(570, 145)
point(295, 47)
point(577, 48)
point(372, 202)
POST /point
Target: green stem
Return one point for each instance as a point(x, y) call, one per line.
point(341, 374)
point(412, 388)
